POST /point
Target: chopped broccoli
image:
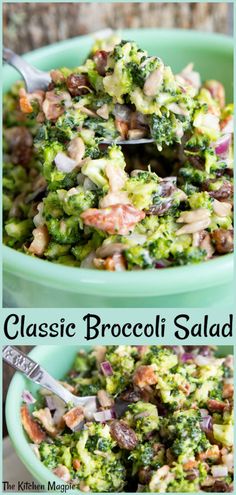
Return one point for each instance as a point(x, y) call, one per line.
point(138, 256)
point(20, 230)
point(76, 200)
point(64, 230)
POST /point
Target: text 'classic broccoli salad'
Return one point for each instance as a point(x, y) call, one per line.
point(163, 424)
point(71, 199)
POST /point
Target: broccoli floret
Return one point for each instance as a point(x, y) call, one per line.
point(144, 455)
point(165, 129)
point(15, 177)
point(102, 473)
point(190, 255)
point(68, 123)
point(141, 189)
point(119, 82)
point(49, 153)
point(52, 205)
point(55, 250)
point(77, 200)
point(102, 128)
point(180, 482)
point(82, 251)
point(20, 230)
point(143, 417)
point(200, 200)
point(6, 202)
point(223, 434)
point(186, 434)
point(160, 248)
point(66, 457)
point(163, 358)
point(140, 73)
point(87, 386)
point(96, 169)
point(65, 230)
point(84, 362)
point(49, 454)
point(122, 360)
point(138, 256)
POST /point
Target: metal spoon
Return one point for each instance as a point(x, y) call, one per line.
point(36, 79)
point(23, 363)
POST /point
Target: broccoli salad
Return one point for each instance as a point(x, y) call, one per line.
point(164, 421)
point(73, 195)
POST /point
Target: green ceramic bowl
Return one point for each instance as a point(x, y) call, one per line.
point(32, 282)
point(57, 360)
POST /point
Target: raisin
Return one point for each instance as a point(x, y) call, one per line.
point(223, 240)
point(197, 162)
point(144, 375)
point(144, 475)
point(123, 435)
point(77, 84)
point(20, 143)
point(100, 59)
point(221, 486)
point(224, 192)
point(160, 209)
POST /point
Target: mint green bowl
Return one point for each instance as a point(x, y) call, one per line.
point(32, 282)
point(57, 360)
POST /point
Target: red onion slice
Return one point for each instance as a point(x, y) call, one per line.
point(27, 397)
point(206, 424)
point(106, 368)
point(162, 264)
point(219, 471)
point(222, 146)
point(103, 416)
point(187, 356)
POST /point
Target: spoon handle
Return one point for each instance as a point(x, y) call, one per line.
point(35, 79)
point(11, 58)
point(23, 363)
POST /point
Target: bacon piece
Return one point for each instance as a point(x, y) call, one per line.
point(216, 405)
point(40, 242)
point(228, 390)
point(45, 418)
point(74, 417)
point(62, 472)
point(117, 219)
point(144, 375)
point(32, 428)
point(212, 453)
point(190, 465)
point(53, 105)
point(27, 98)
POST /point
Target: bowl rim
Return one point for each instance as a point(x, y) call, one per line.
point(174, 280)
point(179, 279)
